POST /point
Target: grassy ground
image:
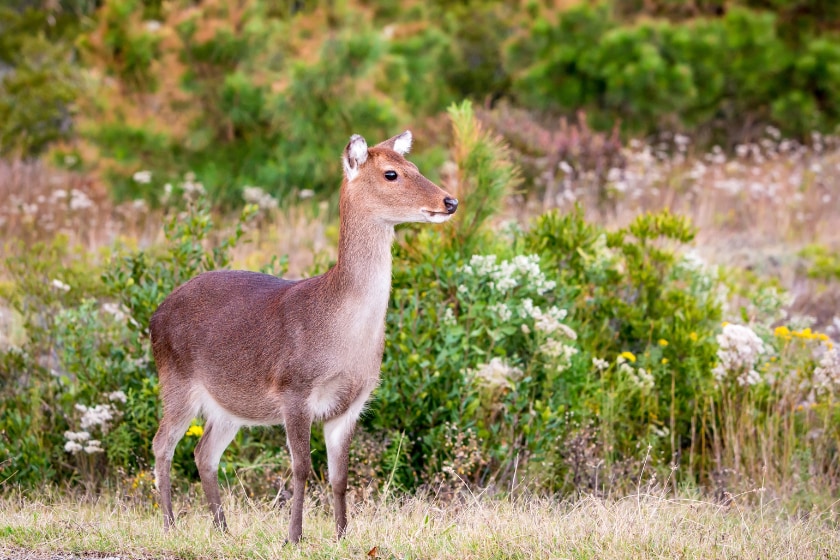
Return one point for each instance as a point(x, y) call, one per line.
point(635, 527)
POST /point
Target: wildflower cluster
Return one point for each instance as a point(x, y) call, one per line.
point(548, 325)
point(496, 374)
point(514, 285)
point(786, 334)
point(639, 377)
point(507, 275)
point(256, 195)
point(827, 375)
point(80, 441)
point(190, 189)
point(99, 417)
point(739, 349)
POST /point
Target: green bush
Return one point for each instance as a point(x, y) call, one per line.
point(714, 76)
point(39, 81)
point(86, 364)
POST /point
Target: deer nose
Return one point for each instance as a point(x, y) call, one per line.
point(451, 204)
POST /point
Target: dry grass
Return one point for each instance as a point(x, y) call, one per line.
point(635, 527)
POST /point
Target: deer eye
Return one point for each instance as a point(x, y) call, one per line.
point(391, 175)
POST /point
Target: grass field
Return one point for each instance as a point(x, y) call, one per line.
point(635, 527)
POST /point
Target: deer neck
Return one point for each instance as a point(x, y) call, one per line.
point(362, 272)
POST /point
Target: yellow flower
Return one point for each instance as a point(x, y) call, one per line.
point(725, 324)
point(195, 430)
point(663, 342)
point(782, 332)
point(664, 361)
point(629, 356)
point(693, 336)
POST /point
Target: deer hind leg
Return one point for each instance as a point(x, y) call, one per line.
point(177, 414)
point(298, 432)
point(217, 436)
point(337, 434)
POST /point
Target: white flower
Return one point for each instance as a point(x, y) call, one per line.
point(567, 331)
point(548, 322)
point(79, 200)
point(72, 447)
point(449, 317)
point(59, 285)
point(118, 396)
point(646, 380)
point(562, 352)
point(77, 436)
point(483, 265)
point(255, 195)
point(496, 374)
point(306, 193)
point(641, 378)
point(143, 177)
point(192, 189)
point(115, 309)
point(738, 351)
point(98, 415)
point(93, 446)
point(827, 375)
point(600, 364)
point(501, 311)
point(522, 270)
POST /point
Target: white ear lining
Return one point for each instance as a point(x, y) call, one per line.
point(354, 156)
point(402, 143)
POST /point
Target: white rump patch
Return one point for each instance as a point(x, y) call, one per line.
point(402, 143)
point(354, 156)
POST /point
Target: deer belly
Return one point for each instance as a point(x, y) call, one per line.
point(226, 407)
point(334, 397)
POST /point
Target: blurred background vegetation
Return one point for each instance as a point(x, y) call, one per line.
point(635, 173)
point(264, 93)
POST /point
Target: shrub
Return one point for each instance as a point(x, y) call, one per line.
point(83, 386)
point(655, 74)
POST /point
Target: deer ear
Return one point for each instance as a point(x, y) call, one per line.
point(401, 143)
point(355, 154)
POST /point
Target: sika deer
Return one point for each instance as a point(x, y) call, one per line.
point(247, 349)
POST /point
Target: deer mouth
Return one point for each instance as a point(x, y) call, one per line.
point(435, 217)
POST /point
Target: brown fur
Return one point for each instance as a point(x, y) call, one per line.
point(243, 348)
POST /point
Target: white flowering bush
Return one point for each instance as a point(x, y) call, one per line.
point(739, 350)
point(827, 374)
point(488, 347)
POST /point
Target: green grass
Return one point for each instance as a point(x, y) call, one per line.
point(634, 527)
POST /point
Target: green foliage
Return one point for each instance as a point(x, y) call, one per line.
point(87, 339)
point(478, 29)
point(127, 45)
point(656, 74)
point(486, 175)
point(823, 262)
point(258, 95)
point(38, 83)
